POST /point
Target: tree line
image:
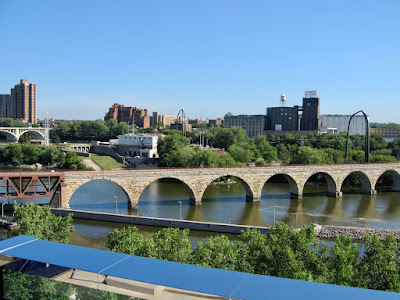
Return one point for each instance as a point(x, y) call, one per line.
point(20, 154)
point(176, 150)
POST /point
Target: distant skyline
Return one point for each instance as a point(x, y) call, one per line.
point(208, 57)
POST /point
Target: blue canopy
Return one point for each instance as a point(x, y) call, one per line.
point(211, 281)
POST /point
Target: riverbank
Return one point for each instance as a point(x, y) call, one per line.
point(323, 231)
point(356, 233)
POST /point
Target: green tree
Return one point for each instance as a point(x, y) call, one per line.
point(216, 252)
point(172, 244)
point(268, 153)
point(308, 155)
point(379, 265)
point(344, 262)
point(30, 154)
point(12, 153)
point(171, 142)
point(203, 158)
point(226, 160)
point(50, 155)
point(40, 222)
point(72, 161)
point(240, 154)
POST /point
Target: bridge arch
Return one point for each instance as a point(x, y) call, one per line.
point(365, 181)
point(395, 177)
point(190, 189)
point(295, 191)
point(248, 189)
point(10, 136)
point(108, 199)
point(333, 187)
point(35, 134)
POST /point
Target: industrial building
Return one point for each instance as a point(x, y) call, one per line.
point(282, 118)
point(253, 124)
point(339, 123)
point(310, 119)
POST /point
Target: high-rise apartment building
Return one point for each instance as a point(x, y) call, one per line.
point(21, 104)
point(5, 105)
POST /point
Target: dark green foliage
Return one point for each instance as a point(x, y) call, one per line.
point(343, 263)
point(284, 252)
point(380, 265)
point(88, 130)
point(216, 252)
point(38, 221)
point(18, 154)
point(71, 161)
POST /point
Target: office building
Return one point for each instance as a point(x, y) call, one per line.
point(253, 124)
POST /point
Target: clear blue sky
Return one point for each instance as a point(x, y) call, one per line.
point(208, 57)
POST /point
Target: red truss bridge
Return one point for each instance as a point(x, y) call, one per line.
point(29, 184)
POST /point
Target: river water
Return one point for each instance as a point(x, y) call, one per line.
point(227, 204)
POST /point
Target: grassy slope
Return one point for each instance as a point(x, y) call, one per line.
point(106, 162)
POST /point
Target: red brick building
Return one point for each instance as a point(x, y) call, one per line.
point(123, 113)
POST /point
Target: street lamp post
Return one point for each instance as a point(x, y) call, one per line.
point(59, 199)
point(180, 210)
point(116, 204)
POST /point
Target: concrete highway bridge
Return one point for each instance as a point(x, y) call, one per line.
point(134, 181)
point(14, 133)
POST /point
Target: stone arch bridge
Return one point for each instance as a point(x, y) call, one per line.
point(133, 182)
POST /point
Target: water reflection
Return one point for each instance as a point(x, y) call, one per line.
point(227, 204)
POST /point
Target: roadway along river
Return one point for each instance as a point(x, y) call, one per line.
point(227, 204)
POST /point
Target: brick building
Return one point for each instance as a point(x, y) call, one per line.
point(123, 113)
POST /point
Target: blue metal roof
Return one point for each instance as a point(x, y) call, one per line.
point(177, 275)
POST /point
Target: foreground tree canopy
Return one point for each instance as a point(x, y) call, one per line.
point(284, 252)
